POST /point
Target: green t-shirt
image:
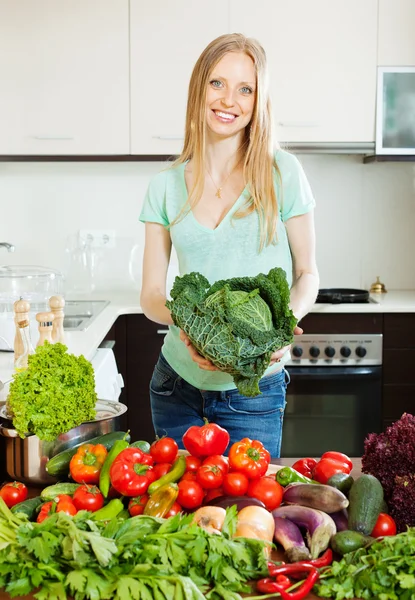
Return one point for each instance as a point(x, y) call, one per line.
point(230, 250)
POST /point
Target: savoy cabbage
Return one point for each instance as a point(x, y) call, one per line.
point(236, 323)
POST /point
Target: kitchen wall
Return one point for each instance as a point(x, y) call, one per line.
point(365, 218)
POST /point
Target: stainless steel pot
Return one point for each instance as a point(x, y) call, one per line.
point(26, 458)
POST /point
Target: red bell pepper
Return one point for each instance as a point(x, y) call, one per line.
point(208, 439)
point(305, 466)
point(249, 457)
point(132, 472)
point(86, 464)
point(326, 467)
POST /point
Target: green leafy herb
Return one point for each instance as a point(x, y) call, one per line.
point(54, 394)
point(236, 323)
point(384, 570)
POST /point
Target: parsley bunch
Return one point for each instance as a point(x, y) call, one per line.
point(140, 558)
point(384, 570)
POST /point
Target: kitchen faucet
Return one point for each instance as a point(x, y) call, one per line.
point(9, 247)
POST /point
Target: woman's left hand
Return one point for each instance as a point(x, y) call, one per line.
point(278, 354)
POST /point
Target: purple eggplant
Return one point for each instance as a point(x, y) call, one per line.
point(319, 526)
point(288, 534)
point(240, 501)
point(321, 497)
point(341, 520)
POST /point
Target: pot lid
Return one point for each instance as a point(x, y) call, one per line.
point(338, 295)
point(28, 272)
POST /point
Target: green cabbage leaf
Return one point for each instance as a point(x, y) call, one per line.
point(236, 323)
point(54, 394)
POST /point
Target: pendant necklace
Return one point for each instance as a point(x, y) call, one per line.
point(219, 189)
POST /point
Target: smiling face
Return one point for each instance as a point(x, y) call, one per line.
point(231, 94)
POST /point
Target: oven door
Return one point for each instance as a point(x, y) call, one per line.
point(331, 408)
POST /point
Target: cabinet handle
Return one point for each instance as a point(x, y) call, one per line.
point(298, 124)
point(52, 137)
point(168, 137)
point(162, 331)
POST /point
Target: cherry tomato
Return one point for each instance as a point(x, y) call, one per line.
point(88, 497)
point(211, 494)
point(66, 507)
point(235, 484)
point(161, 469)
point(175, 509)
point(136, 505)
point(385, 525)
point(192, 463)
point(13, 493)
point(219, 461)
point(339, 456)
point(164, 450)
point(209, 476)
point(267, 490)
point(190, 494)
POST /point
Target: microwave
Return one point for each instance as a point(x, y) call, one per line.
point(395, 110)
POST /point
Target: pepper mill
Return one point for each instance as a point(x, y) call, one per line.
point(45, 320)
point(57, 304)
point(21, 313)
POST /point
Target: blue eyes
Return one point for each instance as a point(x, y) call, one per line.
point(218, 85)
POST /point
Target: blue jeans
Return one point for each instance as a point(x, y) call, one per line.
point(176, 405)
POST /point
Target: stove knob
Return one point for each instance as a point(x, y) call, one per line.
point(330, 351)
point(361, 352)
point(345, 351)
point(297, 351)
point(314, 351)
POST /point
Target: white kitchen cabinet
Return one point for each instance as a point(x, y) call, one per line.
point(166, 40)
point(64, 77)
point(322, 59)
point(396, 45)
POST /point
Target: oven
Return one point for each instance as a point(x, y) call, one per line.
point(334, 395)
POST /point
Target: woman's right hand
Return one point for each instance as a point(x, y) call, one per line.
point(203, 363)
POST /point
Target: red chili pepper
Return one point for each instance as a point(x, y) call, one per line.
point(305, 466)
point(270, 586)
point(323, 561)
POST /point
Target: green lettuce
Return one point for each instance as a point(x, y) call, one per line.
point(54, 394)
point(236, 323)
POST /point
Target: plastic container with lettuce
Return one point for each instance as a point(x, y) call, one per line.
point(54, 394)
point(236, 323)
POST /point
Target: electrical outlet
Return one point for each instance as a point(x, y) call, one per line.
point(98, 238)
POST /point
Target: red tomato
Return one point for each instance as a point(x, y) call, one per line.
point(67, 507)
point(219, 460)
point(209, 476)
point(327, 467)
point(136, 505)
point(192, 463)
point(164, 450)
point(205, 440)
point(188, 476)
point(175, 509)
point(385, 525)
point(13, 493)
point(161, 469)
point(235, 484)
point(339, 456)
point(88, 497)
point(267, 490)
point(190, 494)
point(211, 494)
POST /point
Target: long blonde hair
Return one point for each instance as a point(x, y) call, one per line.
point(259, 165)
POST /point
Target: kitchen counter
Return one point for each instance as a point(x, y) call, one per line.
point(356, 471)
point(86, 342)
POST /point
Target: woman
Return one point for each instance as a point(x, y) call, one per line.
point(231, 205)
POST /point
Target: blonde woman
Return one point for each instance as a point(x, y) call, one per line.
point(232, 205)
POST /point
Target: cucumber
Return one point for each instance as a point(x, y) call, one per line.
point(143, 445)
point(58, 465)
point(342, 482)
point(50, 492)
point(28, 507)
point(349, 541)
point(365, 503)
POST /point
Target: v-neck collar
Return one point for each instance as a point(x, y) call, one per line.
point(226, 217)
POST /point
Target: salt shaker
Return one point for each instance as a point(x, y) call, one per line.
point(21, 313)
point(57, 304)
point(45, 320)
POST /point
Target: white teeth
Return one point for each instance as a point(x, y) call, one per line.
point(225, 115)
